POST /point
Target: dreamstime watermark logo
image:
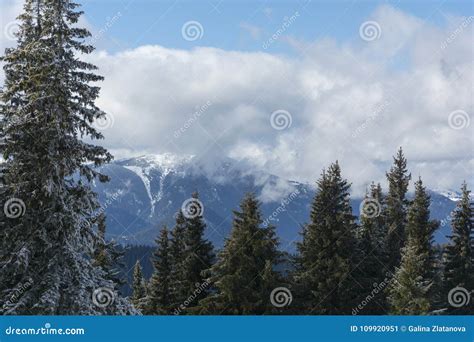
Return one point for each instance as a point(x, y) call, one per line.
point(192, 30)
point(459, 297)
point(108, 24)
point(192, 119)
point(103, 297)
point(14, 208)
point(372, 117)
point(282, 207)
point(370, 208)
point(192, 208)
point(17, 293)
point(10, 30)
point(370, 30)
point(465, 23)
point(459, 119)
point(280, 297)
point(377, 288)
point(287, 22)
point(104, 122)
point(281, 119)
point(200, 288)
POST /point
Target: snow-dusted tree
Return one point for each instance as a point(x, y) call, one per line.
point(411, 289)
point(48, 111)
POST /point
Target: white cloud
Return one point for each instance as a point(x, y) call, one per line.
point(356, 102)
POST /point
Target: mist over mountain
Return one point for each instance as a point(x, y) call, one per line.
point(146, 192)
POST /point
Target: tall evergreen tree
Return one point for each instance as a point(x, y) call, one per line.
point(245, 265)
point(138, 286)
point(198, 255)
point(179, 290)
point(371, 270)
point(108, 255)
point(326, 253)
point(411, 290)
point(158, 301)
point(397, 203)
point(47, 109)
point(459, 255)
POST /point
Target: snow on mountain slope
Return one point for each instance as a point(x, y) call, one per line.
point(153, 188)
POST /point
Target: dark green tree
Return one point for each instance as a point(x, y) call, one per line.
point(411, 290)
point(179, 290)
point(138, 287)
point(158, 300)
point(47, 115)
point(108, 255)
point(459, 255)
point(397, 203)
point(198, 254)
point(326, 254)
point(245, 265)
point(371, 270)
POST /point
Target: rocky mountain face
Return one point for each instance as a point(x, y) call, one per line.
point(146, 192)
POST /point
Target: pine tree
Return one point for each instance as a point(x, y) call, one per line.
point(179, 291)
point(398, 181)
point(108, 255)
point(158, 301)
point(459, 255)
point(326, 258)
point(245, 265)
point(138, 287)
point(411, 289)
point(48, 110)
point(198, 256)
point(371, 270)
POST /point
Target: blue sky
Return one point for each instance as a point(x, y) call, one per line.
point(159, 22)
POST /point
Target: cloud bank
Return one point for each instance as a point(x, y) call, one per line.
point(355, 102)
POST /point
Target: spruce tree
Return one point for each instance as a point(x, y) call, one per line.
point(108, 254)
point(411, 289)
point(159, 288)
point(459, 255)
point(48, 110)
point(138, 287)
point(397, 203)
point(371, 270)
point(198, 256)
point(179, 291)
point(245, 265)
point(326, 253)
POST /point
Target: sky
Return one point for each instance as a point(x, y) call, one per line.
point(287, 86)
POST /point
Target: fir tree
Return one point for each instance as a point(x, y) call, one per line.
point(412, 287)
point(325, 254)
point(459, 255)
point(179, 291)
point(159, 288)
point(244, 267)
point(138, 286)
point(398, 181)
point(198, 256)
point(48, 111)
point(371, 270)
point(108, 255)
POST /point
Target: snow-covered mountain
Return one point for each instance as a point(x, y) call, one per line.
point(146, 192)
